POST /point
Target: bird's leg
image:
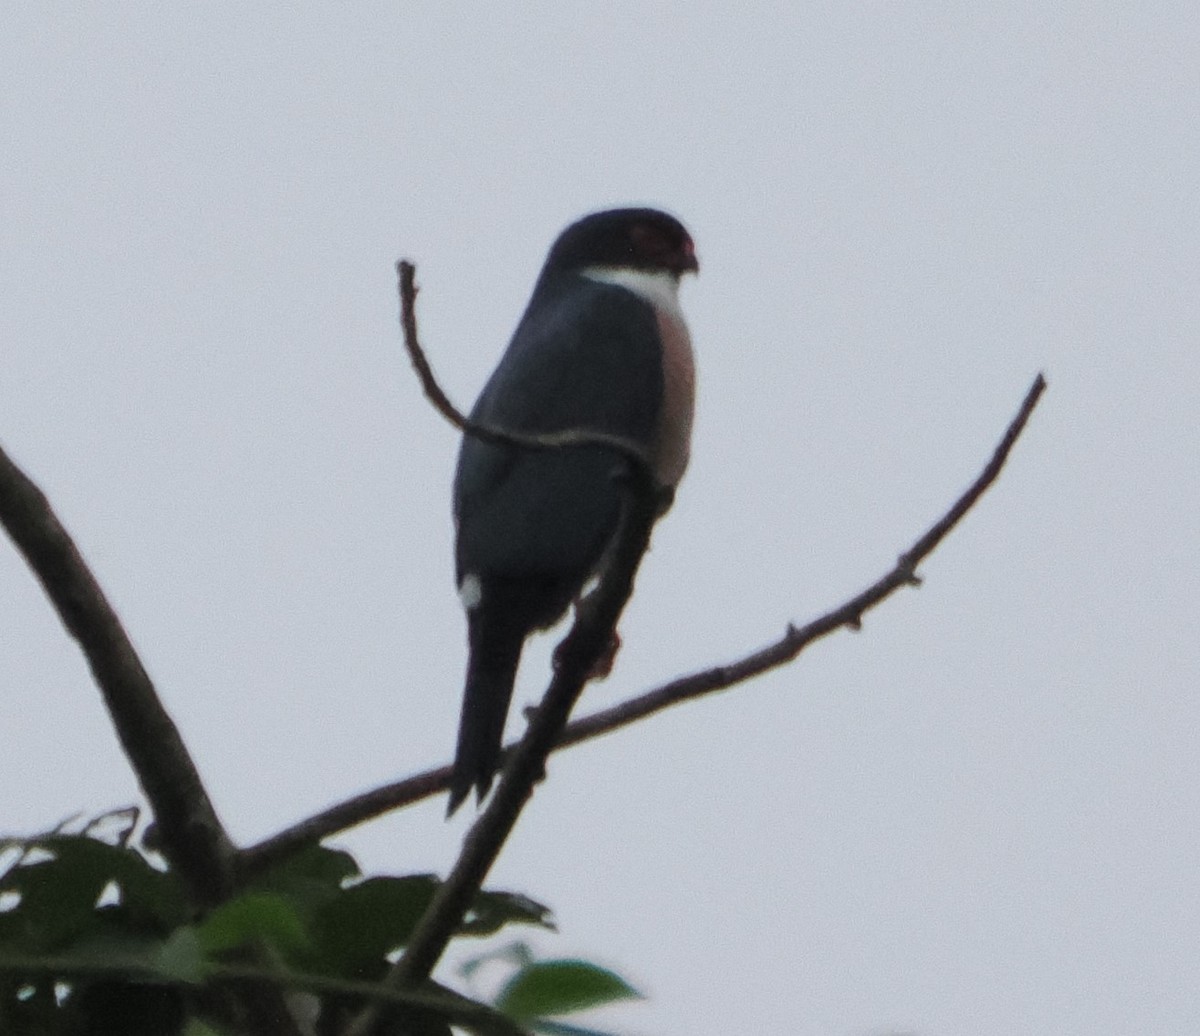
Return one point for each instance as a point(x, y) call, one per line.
point(604, 664)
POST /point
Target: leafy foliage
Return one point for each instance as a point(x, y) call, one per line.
point(537, 993)
point(96, 938)
point(554, 987)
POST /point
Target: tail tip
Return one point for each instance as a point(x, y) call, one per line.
point(460, 788)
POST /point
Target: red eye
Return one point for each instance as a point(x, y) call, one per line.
point(662, 247)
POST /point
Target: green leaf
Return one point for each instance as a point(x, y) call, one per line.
point(356, 930)
point(254, 917)
point(57, 897)
point(110, 950)
point(491, 911)
point(181, 957)
point(60, 890)
point(552, 987)
point(313, 866)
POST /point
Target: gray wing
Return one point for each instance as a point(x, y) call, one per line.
point(585, 356)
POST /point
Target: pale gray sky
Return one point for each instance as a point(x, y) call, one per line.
point(976, 816)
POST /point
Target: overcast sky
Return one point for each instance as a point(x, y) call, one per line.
point(978, 815)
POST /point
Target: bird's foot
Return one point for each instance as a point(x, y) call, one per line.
point(603, 665)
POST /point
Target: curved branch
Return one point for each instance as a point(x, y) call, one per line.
point(568, 439)
point(423, 785)
point(189, 832)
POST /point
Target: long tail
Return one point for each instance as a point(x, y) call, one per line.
point(491, 671)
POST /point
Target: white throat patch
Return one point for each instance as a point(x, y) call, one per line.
point(658, 287)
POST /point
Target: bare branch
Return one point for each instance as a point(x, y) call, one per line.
point(796, 639)
point(340, 817)
point(570, 438)
point(431, 782)
point(189, 832)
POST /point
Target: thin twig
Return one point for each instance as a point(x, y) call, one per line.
point(431, 782)
point(568, 438)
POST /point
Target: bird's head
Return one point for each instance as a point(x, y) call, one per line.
point(644, 240)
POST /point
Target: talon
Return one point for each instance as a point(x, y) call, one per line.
point(603, 665)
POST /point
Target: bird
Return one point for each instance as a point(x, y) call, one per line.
point(602, 346)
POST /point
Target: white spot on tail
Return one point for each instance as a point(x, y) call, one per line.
point(470, 591)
